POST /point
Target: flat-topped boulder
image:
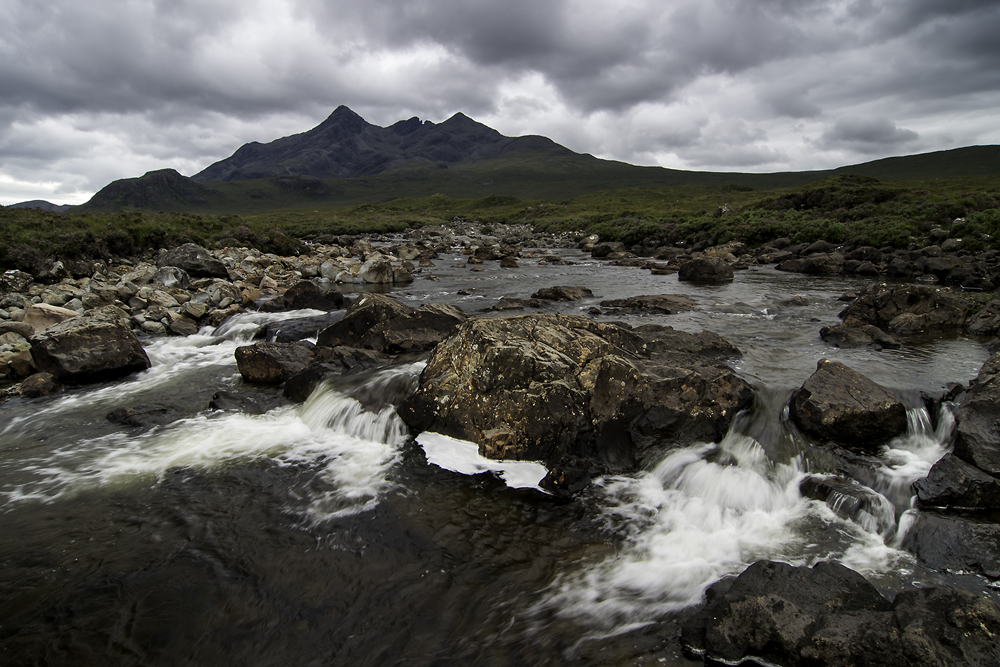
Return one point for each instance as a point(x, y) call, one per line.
point(839, 404)
point(559, 388)
point(665, 304)
point(98, 345)
point(706, 270)
point(910, 308)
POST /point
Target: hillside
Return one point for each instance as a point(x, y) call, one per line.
point(346, 160)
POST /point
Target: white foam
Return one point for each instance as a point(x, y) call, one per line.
point(463, 457)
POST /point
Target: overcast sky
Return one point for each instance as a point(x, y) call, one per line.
point(95, 91)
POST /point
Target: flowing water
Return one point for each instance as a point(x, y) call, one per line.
point(322, 533)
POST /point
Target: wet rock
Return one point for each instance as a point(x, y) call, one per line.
point(231, 401)
point(415, 331)
point(851, 500)
point(273, 363)
point(666, 304)
point(98, 345)
point(333, 363)
point(508, 263)
point(298, 328)
point(144, 417)
point(822, 264)
point(977, 435)
point(183, 326)
point(910, 308)
point(565, 387)
point(512, 303)
point(955, 483)
point(987, 321)
point(859, 335)
point(604, 249)
point(562, 293)
point(839, 404)
point(376, 270)
point(306, 294)
point(40, 384)
point(194, 260)
point(362, 315)
point(775, 613)
point(706, 270)
point(957, 543)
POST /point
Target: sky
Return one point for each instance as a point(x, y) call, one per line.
point(94, 91)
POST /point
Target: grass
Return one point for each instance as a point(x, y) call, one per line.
point(847, 209)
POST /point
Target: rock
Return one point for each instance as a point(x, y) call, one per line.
point(13, 280)
point(306, 294)
point(977, 435)
point(144, 417)
point(508, 263)
point(860, 335)
point(706, 270)
point(20, 363)
point(376, 270)
point(774, 613)
point(22, 329)
point(195, 260)
point(666, 304)
point(956, 543)
point(511, 303)
point(606, 248)
point(298, 328)
point(194, 310)
point(839, 404)
point(98, 345)
point(230, 401)
point(39, 384)
point(172, 276)
point(418, 330)
point(273, 363)
point(41, 315)
point(183, 326)
point(362, 315)
point(987, 321)
point(955, 483)
point(555, 388)
point(562, 293)
point(925, 307)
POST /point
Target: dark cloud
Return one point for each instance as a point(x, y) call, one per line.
point(101, 90)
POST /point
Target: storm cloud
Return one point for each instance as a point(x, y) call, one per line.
point(110, 89)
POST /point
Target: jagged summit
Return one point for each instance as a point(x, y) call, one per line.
point(345, 145)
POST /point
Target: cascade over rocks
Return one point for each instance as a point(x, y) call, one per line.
point(95, 346)
point(830, 615)
point(560, 389)
point(839, 404)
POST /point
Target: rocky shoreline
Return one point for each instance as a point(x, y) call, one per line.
point(586, 397)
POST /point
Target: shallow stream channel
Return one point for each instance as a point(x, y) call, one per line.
point(327, 534)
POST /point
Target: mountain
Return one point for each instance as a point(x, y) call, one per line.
point(42, 204)
point(346, 160)
point(345, 145)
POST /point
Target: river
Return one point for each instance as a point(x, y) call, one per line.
point(321, 533)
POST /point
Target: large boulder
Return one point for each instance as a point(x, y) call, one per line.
point(858, 335)
point(977, 437)
point(98, 345)
point(306, 294)
point(195, 260)
point(987, 321)
point(297, 328)
point(706, 270)
point(910, 308)
point(42, 315)
point(562, 293)
point(954, 483)
point(943, 541)
point(272, 363)
point(774, 613)
point(416, 331)
point(839, 404)
point(560, 389)
point(362, 315)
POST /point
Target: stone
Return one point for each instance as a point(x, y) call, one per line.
point(859, 335)
point(96, 346)
point(415, 331)
point(604, 249)
point(706, 270)
point(364, 313)
point(954, 483)
point(569, 389)
point(272, 363)
point(774, 613)
point(22, 329)
point(183, 326)
point(306, 294)
point(172, 276)
point(41, 315)
point(977, 434)
point(925, 307)
point(666, 304)
point(562, 293)
point(331, 363)
point(14, 280)
point(986, 322)
point(958, 543)
point(40, 384)
point(297, 328)
point(194, 260)
point(376, 270)
point(838, 404)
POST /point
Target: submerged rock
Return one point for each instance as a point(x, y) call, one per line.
point(554, 388)
point(95, 346)
point(839, 404)
point(849, 335)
